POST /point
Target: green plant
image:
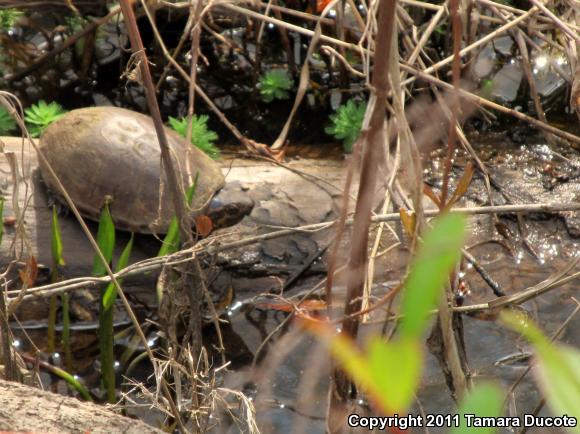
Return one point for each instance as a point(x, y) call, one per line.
point(41, 115)
point(346, 123)
point(557, 368)
point(105, 240)
point(7, 122)
point(373, 368)
point(172, 241)
point(56, 249)
point(8, 18)
point(106, 327)
point(275, 84)
point(201, 136)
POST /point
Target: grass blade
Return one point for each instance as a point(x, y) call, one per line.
point(105, 240)
point(106, 328)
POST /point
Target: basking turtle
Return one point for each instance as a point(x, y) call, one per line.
point(108, 151)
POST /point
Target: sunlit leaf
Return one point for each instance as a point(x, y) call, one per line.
point(105, 240)
point(558, 367)
point(41, 115)
point(396, 370)
point(430, 270)
point(389, 372)
point(559, 378)
point(201, 135)
point(484, 400)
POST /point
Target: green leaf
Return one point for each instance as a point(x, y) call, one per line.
point(56, 241)
point(346, 123)
point(395, 367)
point(106, 327)
point(484, 400)
point(41, 115)
point(172, 240)
point(201, 137)
point(429, 273)
point(105, 240)
point(559, 378)
point(275, 84)
point(70, 379)
point(558, 368)
point(110, 294)
point(7, 122)
point(388, 371)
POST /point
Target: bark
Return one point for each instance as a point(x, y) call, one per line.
point(27, 409)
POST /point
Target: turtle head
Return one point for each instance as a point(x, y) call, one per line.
point(228, 207)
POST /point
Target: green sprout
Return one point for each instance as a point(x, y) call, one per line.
point(7, 122)
point(346, 123)
point(275, 84)
point(9, 17)
point(41, 115)
point(201, 136)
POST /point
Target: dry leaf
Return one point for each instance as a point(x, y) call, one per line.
point(462, 185)
point(203, 225)
point(427, 191)
point(29, 274)
point(311, 305)
point(264, 150)
point(409, 220)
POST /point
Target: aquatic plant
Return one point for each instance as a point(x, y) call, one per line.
point(7, 122)
point(275, 84)
point(41, 115)
point(56, 253)
point(201, 136)
point(346, 123)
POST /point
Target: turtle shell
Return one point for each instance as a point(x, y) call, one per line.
point(108, 151)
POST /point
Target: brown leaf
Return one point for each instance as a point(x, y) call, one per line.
point(264, 150)
point(427, 191)
point(203, 225)
point(462, 185)
point(29, 274)
point(409, 220)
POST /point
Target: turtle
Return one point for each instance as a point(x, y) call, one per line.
point(112, 153)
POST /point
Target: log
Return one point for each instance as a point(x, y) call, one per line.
point(27, 409)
